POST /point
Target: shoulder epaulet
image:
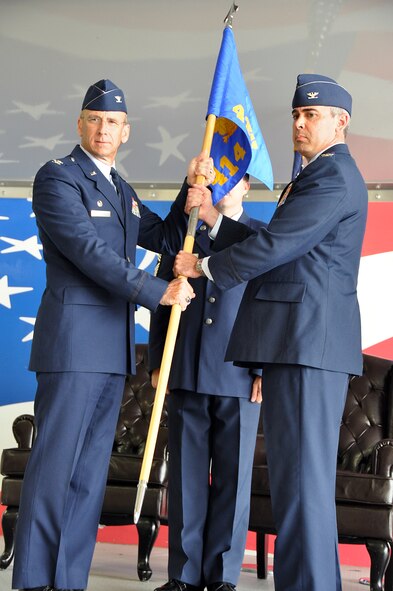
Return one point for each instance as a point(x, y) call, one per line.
point(67, 161)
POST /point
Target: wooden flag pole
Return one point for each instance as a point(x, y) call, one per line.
point(169, 346)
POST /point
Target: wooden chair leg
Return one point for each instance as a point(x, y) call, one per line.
point(389, 573)
point(379, 552)
point(8, 523)
point(262, 557)
point(148, 532)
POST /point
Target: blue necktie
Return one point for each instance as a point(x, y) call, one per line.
point(116, 181)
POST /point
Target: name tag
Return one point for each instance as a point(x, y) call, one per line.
point(100, 213)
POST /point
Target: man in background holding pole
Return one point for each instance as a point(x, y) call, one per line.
point(213, 415)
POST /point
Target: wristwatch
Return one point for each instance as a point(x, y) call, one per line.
point(198, 268)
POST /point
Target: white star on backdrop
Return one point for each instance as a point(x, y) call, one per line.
point(148, 258)
point(30, 199)
point(168, 145)
point(173, 102)
point(29, 320)
point(142, 317)
point(29, 245)
point(80, 92)
point(7, 161)
point(375, 288)
point(49, 143)
point(4, 217)
point(6, 291)
point(35, 111)
point(120, 156)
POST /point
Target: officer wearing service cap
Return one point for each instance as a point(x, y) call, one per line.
point(90, 222)
point(299, 320)
point(104, 96)
point(313, 89)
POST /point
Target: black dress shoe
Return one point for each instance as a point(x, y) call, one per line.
point(176, 585)
point(221, 586)
point(46, 588)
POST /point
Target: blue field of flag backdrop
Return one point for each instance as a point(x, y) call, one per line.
point(22, 281)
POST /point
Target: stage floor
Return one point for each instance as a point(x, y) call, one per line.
point(114, 569)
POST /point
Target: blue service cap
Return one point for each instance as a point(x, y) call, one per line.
point(104, 96)
point(314, 89)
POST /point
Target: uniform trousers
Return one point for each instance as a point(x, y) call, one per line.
point(211, 447)
point(302, 409)
point(64, 484)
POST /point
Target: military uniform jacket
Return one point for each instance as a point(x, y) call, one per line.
point(300, 305)
point(86, 318)
point(198, 363)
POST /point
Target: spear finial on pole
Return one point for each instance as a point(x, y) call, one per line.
point(229, 17)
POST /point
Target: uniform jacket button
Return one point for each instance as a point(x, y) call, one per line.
point(208, 321)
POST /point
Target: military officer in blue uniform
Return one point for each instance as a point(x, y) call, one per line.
point(90, 222)
point(299, 320)
point(213, 413)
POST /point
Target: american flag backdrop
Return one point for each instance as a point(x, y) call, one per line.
point(22, 281)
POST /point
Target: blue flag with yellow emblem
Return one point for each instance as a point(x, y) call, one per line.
point(238, 145)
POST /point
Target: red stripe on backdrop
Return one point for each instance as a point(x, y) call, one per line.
point(373, 157)
point(383, 349)
point(379, 236)
point(350, 554)
point(127, 534)
point(359, 59)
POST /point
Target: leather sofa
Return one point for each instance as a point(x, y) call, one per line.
point(364, 487)
point(364, 492)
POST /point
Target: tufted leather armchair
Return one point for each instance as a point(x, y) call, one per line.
point(123, 474)
point(364, 487)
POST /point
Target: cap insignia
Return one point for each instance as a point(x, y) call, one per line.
point(312, 95)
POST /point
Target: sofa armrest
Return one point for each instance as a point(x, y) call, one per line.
point(161, 449)
point(25, 431)
point(382, 458)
